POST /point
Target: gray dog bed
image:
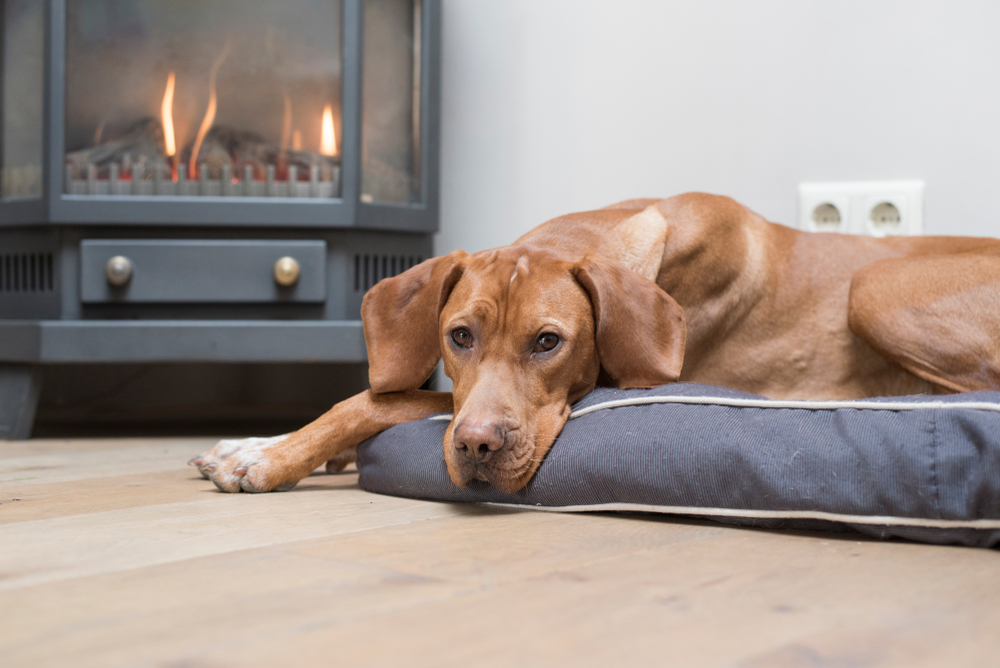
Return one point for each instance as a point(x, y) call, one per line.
point(923, 468)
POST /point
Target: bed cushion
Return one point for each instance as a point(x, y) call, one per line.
point(923, 468)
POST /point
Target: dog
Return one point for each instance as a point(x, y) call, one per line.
point(635, 295)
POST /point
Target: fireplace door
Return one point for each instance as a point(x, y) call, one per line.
point(390, 150)
point(188, 98)
point(22, 107)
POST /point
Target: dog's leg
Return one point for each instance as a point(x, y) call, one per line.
point(340, 462)
point(278, 463)
point(938, 317)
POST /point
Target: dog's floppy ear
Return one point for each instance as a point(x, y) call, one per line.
point(400, 318)
point(639, 328)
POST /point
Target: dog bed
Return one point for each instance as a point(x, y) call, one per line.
point(922, 468)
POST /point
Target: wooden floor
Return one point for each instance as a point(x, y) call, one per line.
point(113, 553)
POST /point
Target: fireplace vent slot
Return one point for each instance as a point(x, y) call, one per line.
point(26, 273)
point(369, 269)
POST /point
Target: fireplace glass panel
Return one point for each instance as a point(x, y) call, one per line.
point(23, 77)
point(182, 98)
point(390, 156)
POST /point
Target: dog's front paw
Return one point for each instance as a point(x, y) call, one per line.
point(245, 465)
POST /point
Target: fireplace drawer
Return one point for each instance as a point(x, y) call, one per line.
point(183, 271)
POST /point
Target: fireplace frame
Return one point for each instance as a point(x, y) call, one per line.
point(56, 323)
point(347, 211)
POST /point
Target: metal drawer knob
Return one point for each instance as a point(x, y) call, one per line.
point(118, 270)
point(286, 271)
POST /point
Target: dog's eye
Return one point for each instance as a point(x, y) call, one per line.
point(546, 342)
point(462, 337)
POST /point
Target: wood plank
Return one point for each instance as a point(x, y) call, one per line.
point(277, 590)
point(105, 542)
point(94, 495)
point(54, 446)
point(703, 602)
point(60, 464)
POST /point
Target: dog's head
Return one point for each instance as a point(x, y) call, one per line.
point(524, 333)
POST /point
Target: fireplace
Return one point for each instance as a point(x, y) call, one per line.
point(206, 182)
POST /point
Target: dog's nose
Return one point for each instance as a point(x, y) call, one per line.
point(479, 440)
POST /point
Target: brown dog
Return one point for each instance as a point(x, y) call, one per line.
point(639, 294)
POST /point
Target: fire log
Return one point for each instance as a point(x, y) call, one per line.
point(142, 146)
point(237, 149)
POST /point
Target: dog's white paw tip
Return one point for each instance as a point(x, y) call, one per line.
point(240, 471)
point(247, 486)
point(220, 486)
point(196, 461)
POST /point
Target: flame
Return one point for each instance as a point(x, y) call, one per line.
point(206, 123)
point(327, 140)
point(297, 140)
point(168, 117)
point(286, 123)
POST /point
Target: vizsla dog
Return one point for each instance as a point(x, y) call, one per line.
point(642, 293)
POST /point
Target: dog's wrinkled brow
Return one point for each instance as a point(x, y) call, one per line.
point(481, 310)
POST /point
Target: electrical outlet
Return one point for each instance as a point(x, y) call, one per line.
point(874, 208)
point(824, 207)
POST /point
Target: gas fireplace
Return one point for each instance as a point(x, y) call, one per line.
point(215, 181)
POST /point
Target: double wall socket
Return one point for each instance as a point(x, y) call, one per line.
point(875, 208)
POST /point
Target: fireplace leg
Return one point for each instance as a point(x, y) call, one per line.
point(20, 385)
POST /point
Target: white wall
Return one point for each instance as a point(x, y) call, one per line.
point(552, 106)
